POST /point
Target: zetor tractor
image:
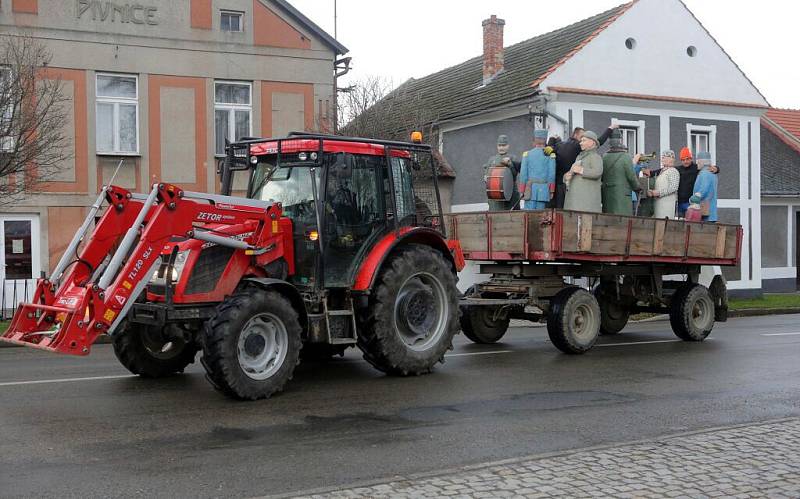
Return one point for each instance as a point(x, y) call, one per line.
point(338, 242)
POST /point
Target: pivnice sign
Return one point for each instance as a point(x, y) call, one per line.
point(113, 12)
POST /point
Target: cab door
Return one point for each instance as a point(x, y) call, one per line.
point(354, 213)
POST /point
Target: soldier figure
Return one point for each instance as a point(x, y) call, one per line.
point(512, 162)
point(537, 176)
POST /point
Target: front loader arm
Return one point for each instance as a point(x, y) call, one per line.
point(69, 318)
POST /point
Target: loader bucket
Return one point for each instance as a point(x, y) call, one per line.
point(53, 328)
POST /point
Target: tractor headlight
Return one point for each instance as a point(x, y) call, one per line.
point(177, 267)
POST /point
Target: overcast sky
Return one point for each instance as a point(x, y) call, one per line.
point(400, 39)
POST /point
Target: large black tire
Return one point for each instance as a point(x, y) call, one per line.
point(573, 322)
point(691, 312)
point(478, 325)
point(252, 345)
point(412, 314)
point(139, 348)
point(613, 315)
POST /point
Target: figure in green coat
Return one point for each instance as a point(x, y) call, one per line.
point(618, 178)
point(583, 178)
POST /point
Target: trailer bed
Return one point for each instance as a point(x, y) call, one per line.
point(569, 236)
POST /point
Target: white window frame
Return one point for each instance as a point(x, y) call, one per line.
point(231, 109)
point(639, 126)
point(239, 13)
point(7, 143)
point(711, 130)
point(116, 101)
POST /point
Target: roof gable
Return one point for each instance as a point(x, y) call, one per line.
point(658, 64)
point(785, 124)
point(459, 90)
point(298, 16)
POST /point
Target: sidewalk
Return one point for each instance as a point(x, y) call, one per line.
point(754, 460)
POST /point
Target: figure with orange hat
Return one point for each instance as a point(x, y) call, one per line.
point(688, 171)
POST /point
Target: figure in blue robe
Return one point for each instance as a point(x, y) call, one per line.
point(538, 171)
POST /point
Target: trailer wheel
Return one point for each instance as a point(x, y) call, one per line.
point(613, 316)
point(480, 324)
point(573, 322)
point(143, 351)
point(252, 344)
point(692, 312)
point(412, 314)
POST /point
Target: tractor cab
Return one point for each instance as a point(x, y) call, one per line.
point(343, 195)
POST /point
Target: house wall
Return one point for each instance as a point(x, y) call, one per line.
point(781, 173)
point(177, 51)
point(780, 244)
point(598, 121)
point(468, 148)
point(658, 64)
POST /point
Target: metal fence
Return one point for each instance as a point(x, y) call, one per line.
point(13, 292)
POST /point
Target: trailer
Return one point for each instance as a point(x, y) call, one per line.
point(625, 265)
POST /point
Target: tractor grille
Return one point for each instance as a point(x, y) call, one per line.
point(208, 269)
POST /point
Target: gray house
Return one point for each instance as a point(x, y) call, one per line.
point(780, 199)
point(616, 66)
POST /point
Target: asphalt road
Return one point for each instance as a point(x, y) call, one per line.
point(80, 427)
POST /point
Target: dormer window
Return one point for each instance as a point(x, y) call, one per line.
point(231, 21)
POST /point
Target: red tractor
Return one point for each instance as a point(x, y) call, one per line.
point(338, 242)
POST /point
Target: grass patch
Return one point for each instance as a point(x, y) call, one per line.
point(766, 302)
point(4, 326)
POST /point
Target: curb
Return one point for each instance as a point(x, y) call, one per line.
point(759, 312)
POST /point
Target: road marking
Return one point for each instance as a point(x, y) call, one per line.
point(781, 334)
point(637, 343)
point(64, 380)
point(478, 353)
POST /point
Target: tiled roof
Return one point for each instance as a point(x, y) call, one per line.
point(459, 90)
point(780, 166)
point(788, 119)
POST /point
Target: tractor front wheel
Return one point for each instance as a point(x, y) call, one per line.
point(252, 344)
point(412, 314)
point(143, 350)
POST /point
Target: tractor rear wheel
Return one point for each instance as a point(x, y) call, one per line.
point(412, 313)
point(144, 351)
point(252, 344)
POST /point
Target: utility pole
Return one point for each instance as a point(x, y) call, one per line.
point(335, 21)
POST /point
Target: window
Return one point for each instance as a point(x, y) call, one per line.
point(117, 114)
point(231, 21)
point(699, 142)
point(6, 110)
point(630, 139)
point(632, 134)
point(702, 139)
point(232, 113)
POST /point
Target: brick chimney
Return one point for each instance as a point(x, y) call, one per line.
point(492, 47)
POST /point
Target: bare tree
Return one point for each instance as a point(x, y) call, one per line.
point(355, 100)
point(371, 108)
point(33, 144)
